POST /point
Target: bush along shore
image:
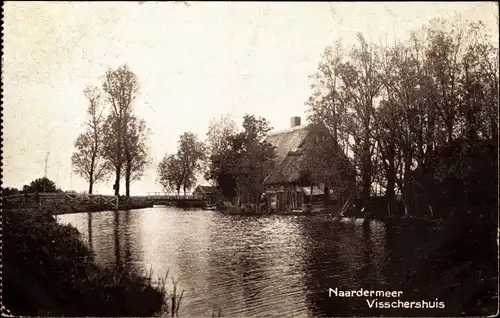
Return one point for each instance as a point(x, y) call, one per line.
point(49, 271)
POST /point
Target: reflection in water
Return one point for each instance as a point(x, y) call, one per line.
point(259, 275)
point(111, 235)
point(116, 236)
point(89, 229)
point(341, 254)
point(266, 266)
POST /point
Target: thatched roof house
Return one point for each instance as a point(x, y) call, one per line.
point(204, 190)
point(209, 193)
point(289, 153)
point(286, 180)
point(282, 184)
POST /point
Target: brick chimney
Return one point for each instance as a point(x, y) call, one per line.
point(294, 121)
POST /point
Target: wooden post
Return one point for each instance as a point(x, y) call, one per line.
point(326, 195)
point(286, 199)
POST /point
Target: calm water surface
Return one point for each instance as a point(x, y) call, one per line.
point(280, 266)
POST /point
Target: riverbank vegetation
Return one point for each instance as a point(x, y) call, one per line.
point(419, 117)
point(49, 271)
point(418, 120)
point(62, 202)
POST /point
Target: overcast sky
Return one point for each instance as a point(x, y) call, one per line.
point(193, 63)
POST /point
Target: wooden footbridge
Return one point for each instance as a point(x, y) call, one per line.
point(181, 200)
point(94, 202)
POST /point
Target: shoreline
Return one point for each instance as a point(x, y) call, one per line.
point(393, 220)
point(91, 209)
point(49, 271)
point(60, 210)
point(388, 221)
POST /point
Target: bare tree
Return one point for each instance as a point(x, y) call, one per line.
point(121, 86)
point(88, 159)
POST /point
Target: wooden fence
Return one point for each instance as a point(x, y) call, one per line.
point(78, 199)
point(51, 199)
point(160, 196)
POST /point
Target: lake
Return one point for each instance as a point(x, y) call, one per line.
point(284, 266)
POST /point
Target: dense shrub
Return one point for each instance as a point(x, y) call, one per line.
point(49, 271)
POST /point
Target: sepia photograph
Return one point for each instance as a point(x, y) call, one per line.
point(249, 159)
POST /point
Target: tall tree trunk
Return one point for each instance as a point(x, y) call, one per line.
point(91, 177)
point(449, 128)
point(391, 183)
point(326, 196)
point(91, 184)
point(407, 183)
point(470, 113)
point(366, 179)
point(184, 178)
point(117, 181)
point(119, 153)
point(127, 178)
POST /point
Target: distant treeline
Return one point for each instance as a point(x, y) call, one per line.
point(39, 185)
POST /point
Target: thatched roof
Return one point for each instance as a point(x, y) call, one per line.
point(289, 154)
point(291, 145)
point(204, 189)
point(287, 171)
point(287, 140)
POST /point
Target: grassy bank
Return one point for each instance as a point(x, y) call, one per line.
point(48, 271)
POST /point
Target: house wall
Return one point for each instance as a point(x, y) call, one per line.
point(285, 196)
point(211, 197)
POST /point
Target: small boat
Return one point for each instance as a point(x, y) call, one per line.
point(211, 207)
